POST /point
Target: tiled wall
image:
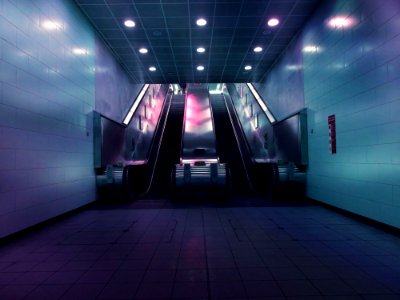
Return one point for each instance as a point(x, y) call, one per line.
point(353, 72)
point(47, 90)
point(115, 93)
point(282, 90)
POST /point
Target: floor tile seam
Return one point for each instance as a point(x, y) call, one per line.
point(374, 258)
point(274, 276)
point(385, 284)
point(151, 259)
point(252, 244)
point(146, 271)
point(296, 266)
point(338, 273)
point(237, 267)
point(71, 285)
point(16, 262)
point(133, 222)
point(149, 224)
point(22, 273)
point(337, 249)
point(113, 273)
point(345, 279)
point(40, 285)
point(178, 259)
point(206, 255)
point(358, 268)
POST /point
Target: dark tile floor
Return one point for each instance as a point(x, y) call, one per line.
point(290, 252)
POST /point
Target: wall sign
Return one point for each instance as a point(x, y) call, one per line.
point(332, 133)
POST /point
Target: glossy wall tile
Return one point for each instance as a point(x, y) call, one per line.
point(115, 91)
point(348, 56)
point(47, 95)
point(282, 89)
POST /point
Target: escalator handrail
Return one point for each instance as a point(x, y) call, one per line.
point(149, 151)
point(239, 124)
point(238, 144)
point(158, 144)
point(250, 156)
point(154, 140)
point(213, 123)
point(183, 124)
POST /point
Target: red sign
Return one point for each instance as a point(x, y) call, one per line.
point(332, 133)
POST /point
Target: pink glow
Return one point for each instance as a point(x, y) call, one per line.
point(189, 108)
point(136, 162)
point(197, 118)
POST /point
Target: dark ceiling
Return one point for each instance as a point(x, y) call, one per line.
point(167, 28)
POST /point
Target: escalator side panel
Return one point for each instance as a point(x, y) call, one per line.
point(137, 176)
point(169, 153)
point(199, 171)
point(227, 145)
point(262, 176)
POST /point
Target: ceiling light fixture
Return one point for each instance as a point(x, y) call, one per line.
point(201, 50)
point(200, 68)
point(248, 68)
point(258, 49)
point(143, 50)
point(341, 22)
point(129, 23)
point(201, 22)
point(152, 69)
point(273, 22)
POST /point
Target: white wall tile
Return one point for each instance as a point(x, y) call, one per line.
point(45, 93)
point(7, 159)
point(396, 195)
point(8, 73)
point(355, 76)
point(7, 201)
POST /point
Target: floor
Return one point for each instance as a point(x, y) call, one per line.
point(273, 252)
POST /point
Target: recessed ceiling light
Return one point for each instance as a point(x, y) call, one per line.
point(258, 49)
point(273, 22)
point(200, 68)
point(143, 50)
point(129, 23)
point(341, 22)
point(201, 22)
point(200, 49)
point(247, 68)
point(152, 69)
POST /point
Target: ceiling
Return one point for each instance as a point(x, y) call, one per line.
point(167, 28)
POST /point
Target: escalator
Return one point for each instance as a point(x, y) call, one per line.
point(169, 152)
point(199, 172)
point(227, 147)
